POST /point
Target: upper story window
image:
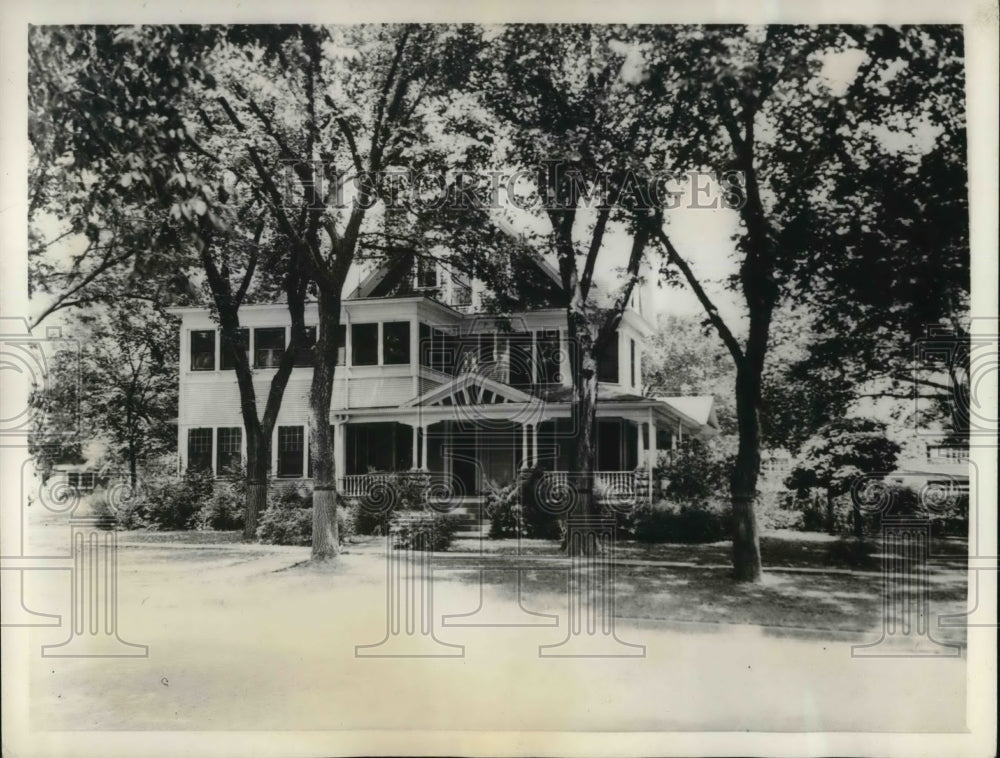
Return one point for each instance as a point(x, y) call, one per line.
point(632, 361)
point(519, 359)
point(203, 350)
point(268, 345)
point(227, 358)
point(364, 344)
point(427, 273)
point(341, 344)
point(304, 354)
point(607, 366)
point(549, 355)
point(395, 342)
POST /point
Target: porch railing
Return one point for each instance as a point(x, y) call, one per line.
point(610, 483)
point(358, 485)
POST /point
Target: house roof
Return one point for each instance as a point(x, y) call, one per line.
point(700, 408)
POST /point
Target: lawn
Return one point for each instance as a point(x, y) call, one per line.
point(255, 637)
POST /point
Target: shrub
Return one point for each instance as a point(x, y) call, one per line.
point(285, 524)
point(779, 510)
point(503, 509)
point(694, 471)
point(538, 521)
point(686, 524)
point(226, 509)
point(174, 503)
point(424, 531)
point(366, 521)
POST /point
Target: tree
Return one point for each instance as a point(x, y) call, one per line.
point(366, 96)
point(842, 451)
point(120, 389)
point(680, 361)
point(569, 121)
point(762, 102)
point(196, 213)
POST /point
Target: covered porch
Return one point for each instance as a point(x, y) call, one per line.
point(468, 448)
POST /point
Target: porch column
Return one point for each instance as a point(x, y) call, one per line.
point(415, 460)
point(652, 453)
point(423, 447)
point(524, 446)
point(640, 453)
point(652, 442)
point(680, 431)
point(339, 453)
point(534, 444)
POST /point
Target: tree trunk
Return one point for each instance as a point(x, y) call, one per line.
point(859, 526)
point(831, 524)
point(325, 542)
point(258, 464)
point(583, 412)
point(746, 542)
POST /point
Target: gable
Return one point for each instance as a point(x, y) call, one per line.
point(470, 389)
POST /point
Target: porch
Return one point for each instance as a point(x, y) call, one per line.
point(464, 460)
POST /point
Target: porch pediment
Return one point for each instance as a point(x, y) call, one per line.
point(470, 389)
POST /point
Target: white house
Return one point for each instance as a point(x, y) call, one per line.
point(426, 380)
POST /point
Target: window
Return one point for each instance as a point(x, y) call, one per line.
point(486, 355)
point(203, 350)
point(424, 344)
point(395, 342)
point(227, 358)
point(341, 345)
point(461, 293)
point(549, 356)
point(607, 365)
point(364, 344)
point(304, 355)
point(268, 345)
point(632, 360)
point(520, 359)
point(199, 450)
point(291, 446)
point(81, 482)
point(228, 453)
point(427, 275)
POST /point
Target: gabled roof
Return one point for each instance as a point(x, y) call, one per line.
point(700, 408)
point(375, 277)
point(470, 389)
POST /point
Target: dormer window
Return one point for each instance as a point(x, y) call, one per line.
point(427, 274)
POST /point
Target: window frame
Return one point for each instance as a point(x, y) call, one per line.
point(224, 352)
point(301, 450)
point(405, 352)
point(191, 349)
point(364, 344)
point(270, 350)
point(209, 444)
point(219, 452)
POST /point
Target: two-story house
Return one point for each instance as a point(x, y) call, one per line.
point(427, 380)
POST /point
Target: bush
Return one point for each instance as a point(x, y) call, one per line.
point(424, 531)
point(667, 521)
point(285, 524)
point(226, 509)
point(172, 503)
point(779, 510)
point(538, 521)
point(503, 509)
